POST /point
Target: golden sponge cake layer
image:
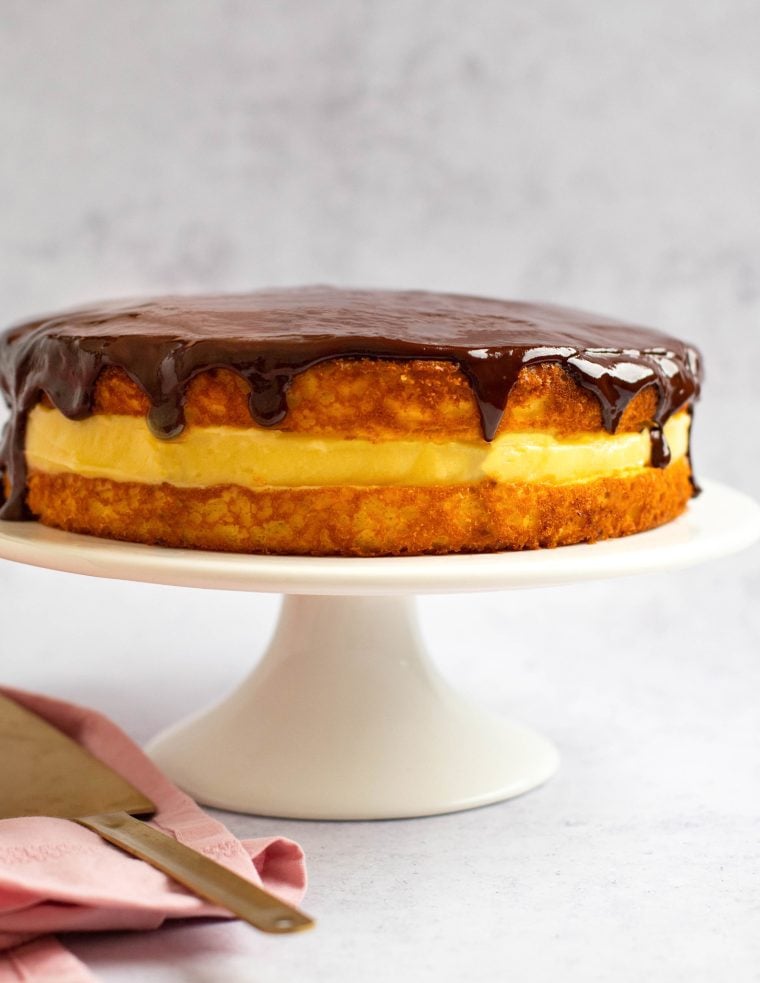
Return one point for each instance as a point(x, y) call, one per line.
point(370, 521)
point(385, 399)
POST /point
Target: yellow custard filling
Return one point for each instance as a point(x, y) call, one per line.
point(122, 448)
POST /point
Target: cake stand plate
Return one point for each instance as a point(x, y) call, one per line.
point(345, 716)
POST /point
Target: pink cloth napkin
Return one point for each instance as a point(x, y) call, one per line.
point(57, 876)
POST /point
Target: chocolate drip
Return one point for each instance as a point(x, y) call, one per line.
point(270, 336)
point(660, 455)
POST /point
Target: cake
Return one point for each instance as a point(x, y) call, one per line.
point(324, 421)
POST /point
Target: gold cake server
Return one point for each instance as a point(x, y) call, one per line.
point(45, 773)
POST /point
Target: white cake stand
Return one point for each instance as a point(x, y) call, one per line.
point(345, 716)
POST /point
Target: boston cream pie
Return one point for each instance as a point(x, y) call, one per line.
point(345, 422)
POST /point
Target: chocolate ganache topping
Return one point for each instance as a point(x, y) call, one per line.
point(269, 336)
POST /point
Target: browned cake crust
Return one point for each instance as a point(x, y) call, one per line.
point(370, 521)
point(386, 400)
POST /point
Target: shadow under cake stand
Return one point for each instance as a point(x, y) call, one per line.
point(345, 716)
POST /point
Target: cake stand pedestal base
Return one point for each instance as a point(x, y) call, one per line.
point(346, 717)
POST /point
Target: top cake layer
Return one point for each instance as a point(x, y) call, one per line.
point(270, 336)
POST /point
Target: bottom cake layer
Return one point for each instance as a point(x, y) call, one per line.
point(364, 521)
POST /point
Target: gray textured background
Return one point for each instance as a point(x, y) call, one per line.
point(601, 154)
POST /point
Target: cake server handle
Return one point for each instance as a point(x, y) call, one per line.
point(198, 873)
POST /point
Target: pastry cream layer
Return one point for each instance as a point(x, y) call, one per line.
point(123, 449)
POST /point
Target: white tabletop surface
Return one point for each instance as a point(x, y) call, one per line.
point(639, 860)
